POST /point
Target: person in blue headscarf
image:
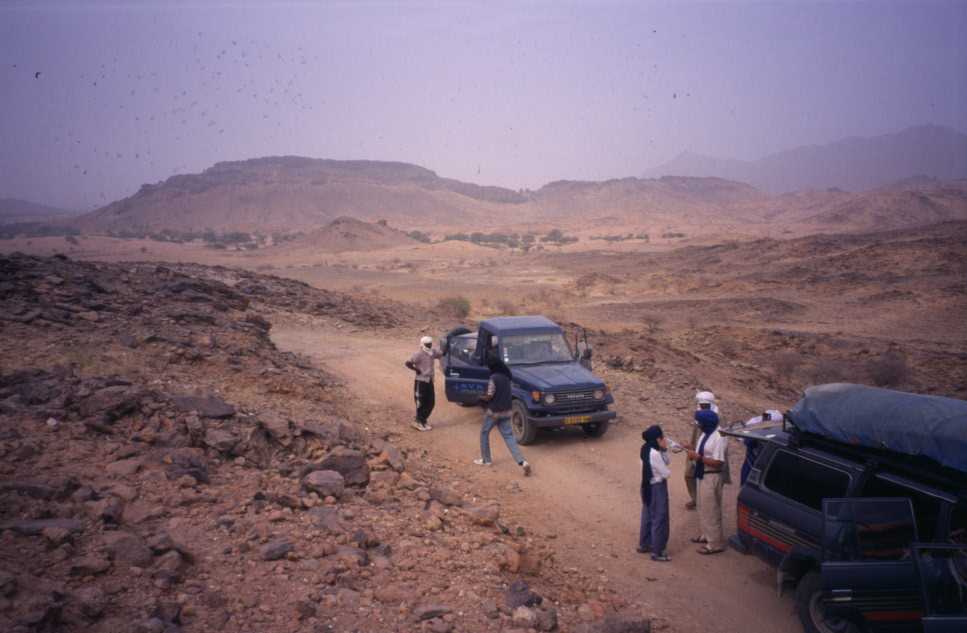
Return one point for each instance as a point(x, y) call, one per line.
point(653, 534)
point(710, 467)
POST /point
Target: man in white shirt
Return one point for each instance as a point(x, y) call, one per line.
point(710, 465)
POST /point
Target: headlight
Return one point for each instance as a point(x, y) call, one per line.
point(599, 394)
point(549, 398)
point(536, 396)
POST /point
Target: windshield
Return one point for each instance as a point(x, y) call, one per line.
point(531, 349)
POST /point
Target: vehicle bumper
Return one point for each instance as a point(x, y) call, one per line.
point(574, 419)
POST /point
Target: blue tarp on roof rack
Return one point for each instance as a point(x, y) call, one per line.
point(908, 423)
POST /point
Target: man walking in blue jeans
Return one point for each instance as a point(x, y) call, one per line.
point(499, 405)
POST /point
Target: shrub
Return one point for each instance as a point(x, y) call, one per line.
point(419, 236)
point(889, 370)
point(828, 370)
point(457, 307)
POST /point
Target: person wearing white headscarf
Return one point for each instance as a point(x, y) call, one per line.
point(703, 400)
point(423, 393)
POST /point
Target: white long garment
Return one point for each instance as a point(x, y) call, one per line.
point(659, 466)
point(715, 446)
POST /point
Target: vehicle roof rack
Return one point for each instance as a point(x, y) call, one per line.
point(915, 467)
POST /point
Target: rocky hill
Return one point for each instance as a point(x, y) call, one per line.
point(291, 193)
point(349, 234)
point(853, 164)
point(165, 468)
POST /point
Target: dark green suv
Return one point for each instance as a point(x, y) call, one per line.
point(842, 493)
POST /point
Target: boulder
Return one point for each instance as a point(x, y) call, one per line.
point(278, 427)
point(221, 440)
point(127, 547)
point(328, 519)
point(90, 566)
point(274, 550)
point(351, 464)
point(483, 515)
point(445, 495)
point(206, 406)
point(110, 403)
point(325, 483)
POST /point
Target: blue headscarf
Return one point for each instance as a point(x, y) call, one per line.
point(708, 421)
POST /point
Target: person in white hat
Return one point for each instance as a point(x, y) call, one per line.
point(422, 363)
point(703, 400)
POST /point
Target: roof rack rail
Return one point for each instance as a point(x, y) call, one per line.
point(915, 467)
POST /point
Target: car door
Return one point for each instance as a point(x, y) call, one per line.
point(465, 377)
point(868, 572)
point(942, 571)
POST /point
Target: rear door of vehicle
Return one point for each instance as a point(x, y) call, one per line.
point(868, 571)
point(465, 377)
point(782, 508)
point(942, 570)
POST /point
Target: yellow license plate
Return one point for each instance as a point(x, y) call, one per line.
point(577, 419)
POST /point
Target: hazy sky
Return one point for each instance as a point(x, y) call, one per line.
point(513, 94)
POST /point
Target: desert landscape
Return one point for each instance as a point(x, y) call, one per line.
point(122, 335)
point(224, 229)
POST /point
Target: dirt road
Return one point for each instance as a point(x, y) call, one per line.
point(583, 495)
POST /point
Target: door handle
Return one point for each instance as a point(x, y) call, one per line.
point(842, 595)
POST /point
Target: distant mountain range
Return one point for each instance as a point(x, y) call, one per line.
point(851, 164)
point(908, 179)
point(15, 210)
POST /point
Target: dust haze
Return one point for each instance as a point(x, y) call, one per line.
point(224, 227)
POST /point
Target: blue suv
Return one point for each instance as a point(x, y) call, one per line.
point(553, 386)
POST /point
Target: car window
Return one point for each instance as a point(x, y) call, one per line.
point(878, 529)
point(926, 507)
point(805, 481)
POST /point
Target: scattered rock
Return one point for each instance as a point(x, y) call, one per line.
point(127, 548)
point(37, 526)
point(275, 550)
point(445, 495)
point(325, 483)
point(483, 515)
point(124, 467)
point(525, 617)
point(221, 440)
point(520, 595)
point(206, 406)
point(427, 612)
point(350, 463)
point(90, 565)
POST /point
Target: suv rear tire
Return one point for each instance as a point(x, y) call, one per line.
point(809, 606)
point(524, 432)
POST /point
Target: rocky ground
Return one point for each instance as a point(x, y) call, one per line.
point(166, 468)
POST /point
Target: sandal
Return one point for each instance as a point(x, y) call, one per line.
point(707, 551)
point(699, 539)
